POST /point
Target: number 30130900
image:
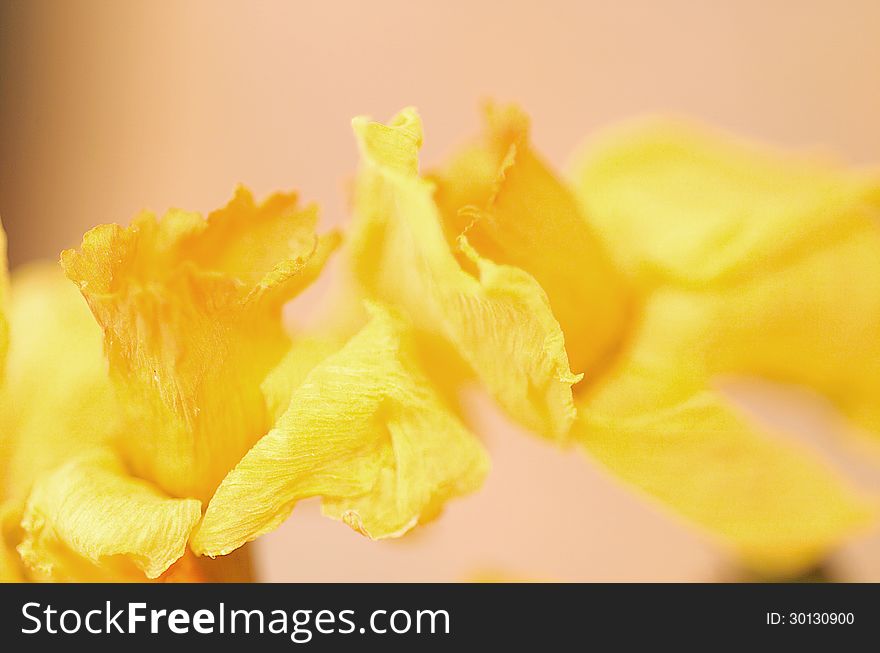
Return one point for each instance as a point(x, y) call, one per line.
point(811, 618)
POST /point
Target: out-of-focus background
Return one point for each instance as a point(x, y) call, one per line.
point(111, 107)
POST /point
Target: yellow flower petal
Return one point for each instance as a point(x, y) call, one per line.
point(58, 399)
point(498, 318)
point(302, 357)
point(781, 510)
point(11, 568)
point(191, 313)
point(685, 204)
point(366, 432)
point(814, 322)
point(91, 516)
point(654, 423)
point(781, 255)
point(515, 211)
point(749, 263)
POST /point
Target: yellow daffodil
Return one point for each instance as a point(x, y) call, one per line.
point(674, 258)
point(191, 315)
point(57, 405)
point(182, 390)
point(163, 413)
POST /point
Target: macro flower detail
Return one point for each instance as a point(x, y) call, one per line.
point(157, 414)
point(188, 314)
point(91, 510)
point(663, 267)
point(191, 314)
point(364, 430)
point(513, 210)
point(401, 255)
point(173, 385)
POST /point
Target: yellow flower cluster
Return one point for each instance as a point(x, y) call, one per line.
point(156, 412)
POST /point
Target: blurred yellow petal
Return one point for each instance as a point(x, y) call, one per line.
point(498, 318)
point(777, 506)
point(191, 313)
point(750, 263)
point(365, 431)
point(683, 203)
point(776, 257)
point(515, 211)
point(11, 567)
point(91, 515)
point(57, 399)
point(815, 322)
point(654, 422)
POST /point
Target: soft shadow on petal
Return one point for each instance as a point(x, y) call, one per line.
point(515, 211)
point(191, 313)
point(366, 431)
point(497, 316)
point(91, 520)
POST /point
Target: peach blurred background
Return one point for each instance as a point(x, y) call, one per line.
point(111, 107)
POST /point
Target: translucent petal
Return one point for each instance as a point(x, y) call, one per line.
point(779, 508)
point(191, 313)
point(305, 353)
point(90, 516)
point(683, 203)
point(814, 322)
point(366, 431)
point(58, 399)
point(516, 211)
point(498, 318)
point(654, 423)
point(781, 254)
